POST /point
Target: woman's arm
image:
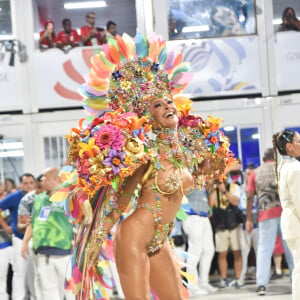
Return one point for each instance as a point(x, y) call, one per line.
point(124, 197)
point(99, 234)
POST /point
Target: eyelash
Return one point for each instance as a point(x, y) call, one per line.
point(158, 104)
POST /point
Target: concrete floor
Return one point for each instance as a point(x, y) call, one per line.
point(279, 289)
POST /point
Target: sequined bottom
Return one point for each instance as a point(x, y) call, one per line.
point(161, 231)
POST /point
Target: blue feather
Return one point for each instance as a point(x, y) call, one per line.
point(162, 57)
point(141, 45)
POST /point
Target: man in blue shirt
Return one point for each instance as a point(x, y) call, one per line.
point(11, 202)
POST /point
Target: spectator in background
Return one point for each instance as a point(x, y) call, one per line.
point(236, 175)
point(10, 185)
point(52, 240)
point(200, 241)
point(47, 36)
point(250, 239)
point(289, 20)
point(262, 182)
point(91, 35)
point(3, 191)
point(226, 196)
point(174, 33)
point(67, 38)
point(225, 22)
point(11, 202)
point(277, 258)
point(111, 30)
point(5, 249)
point(24, 218)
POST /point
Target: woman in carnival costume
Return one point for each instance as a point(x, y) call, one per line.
point(287, 143)
point(141, 142)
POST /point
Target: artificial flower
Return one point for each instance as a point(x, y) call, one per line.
point(73, 148)
point(136, 122)
point(89, 149)
point(125, 85)
point(109, 136)
point(190, 121)
point(83, 166)
point(214, 123)
point(134, 149)
point(96, 166)
point(115, 160)
point(214, 139)
point(183, 104)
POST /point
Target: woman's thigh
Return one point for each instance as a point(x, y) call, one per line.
point(132, 260)
point(164, 275)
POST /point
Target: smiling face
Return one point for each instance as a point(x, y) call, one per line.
point(164, 112)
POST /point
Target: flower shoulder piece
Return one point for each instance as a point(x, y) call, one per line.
point(203, 140)
point(109, 149)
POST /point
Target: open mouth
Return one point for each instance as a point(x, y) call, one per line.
point(169, 115)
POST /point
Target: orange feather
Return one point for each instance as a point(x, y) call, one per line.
point(122, 46)
point(114, 53)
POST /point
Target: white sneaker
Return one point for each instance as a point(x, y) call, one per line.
point(208, 287)
point(196, 291)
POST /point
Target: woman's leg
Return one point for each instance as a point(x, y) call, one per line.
point(131, 256)
point(164, 275)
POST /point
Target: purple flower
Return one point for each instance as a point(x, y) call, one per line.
point(115, 160)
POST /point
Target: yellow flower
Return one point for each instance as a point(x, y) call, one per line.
point(215, 123)
point(96, 166)
point(90, 148)
point(183, 104)
point(125, 85)
point(134, 149)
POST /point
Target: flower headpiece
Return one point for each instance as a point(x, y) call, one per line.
point(128, 73)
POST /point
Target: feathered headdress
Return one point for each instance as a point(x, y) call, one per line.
point(128, 73)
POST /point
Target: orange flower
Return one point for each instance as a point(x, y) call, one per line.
point(183, 104)
point(90, 149)
point(137, 123)
point(215, 123)
point(214, 139)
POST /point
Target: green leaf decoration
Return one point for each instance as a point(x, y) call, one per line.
point(114, 183)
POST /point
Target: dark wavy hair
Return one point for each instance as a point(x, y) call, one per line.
point(280, 140)
point(286, 10)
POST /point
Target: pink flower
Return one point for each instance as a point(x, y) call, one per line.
point(190, 121)
point(109, 136)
